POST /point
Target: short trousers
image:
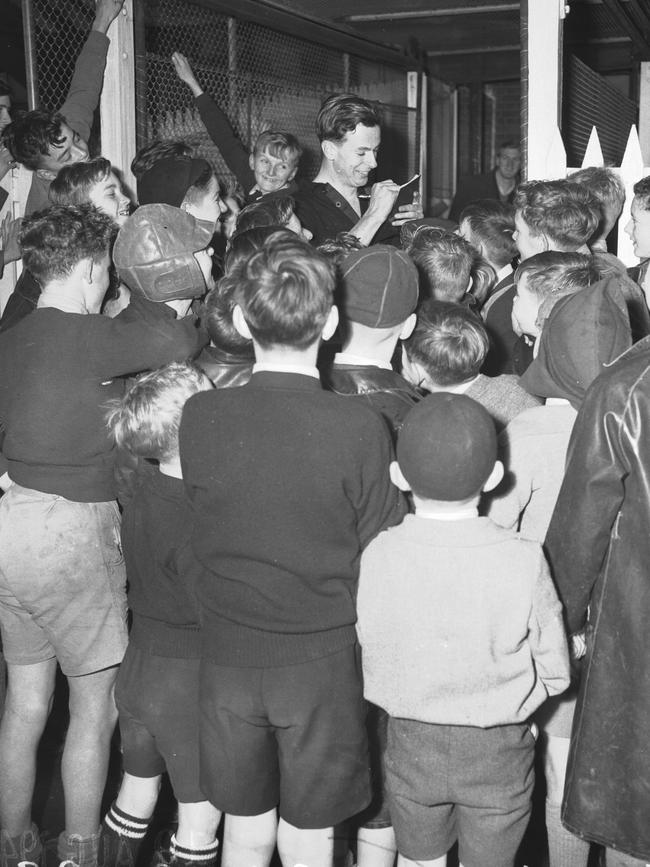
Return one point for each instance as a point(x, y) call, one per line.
point(449, 783)
point(62, 582)
point(158, 701)
point(291, 736)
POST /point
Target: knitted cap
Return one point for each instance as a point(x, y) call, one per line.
point(154, 253)
point(379, 286)
point(168, 180)
point(583, 332)
point(447, 447)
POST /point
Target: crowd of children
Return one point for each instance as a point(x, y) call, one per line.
point(344, 633)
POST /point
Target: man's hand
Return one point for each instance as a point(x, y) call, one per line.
point(412, 211)
point(105, 13)
point(9, 230)
point(6, 161)
point(184, 72)
point(382, 198)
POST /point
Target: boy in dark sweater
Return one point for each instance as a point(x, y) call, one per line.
point(62, 581)
point(288, 484)
point(157, 686)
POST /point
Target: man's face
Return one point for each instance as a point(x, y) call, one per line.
point(527, 243)
point(210, 206)
point(71, 149)
point(356, 156)
point(107, 196)
point(525, 307)
point(271, 173)
point(5, 111)
point(508, 162)
point(638, 229)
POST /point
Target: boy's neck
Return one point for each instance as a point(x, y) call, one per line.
point(375, 344)
point(287, 356)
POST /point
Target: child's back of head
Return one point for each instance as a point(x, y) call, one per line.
point(488, 225)
point(450, 267)
point(447, 347)
point(285, 291)
point(145, 421)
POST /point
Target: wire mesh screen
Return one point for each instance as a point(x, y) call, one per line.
point(589, 101)
point(261, 78)
point(60, 30)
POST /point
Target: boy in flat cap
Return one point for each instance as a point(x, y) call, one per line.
point(462, 638)
point(378, 289)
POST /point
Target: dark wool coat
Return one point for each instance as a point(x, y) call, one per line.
point(599, 548)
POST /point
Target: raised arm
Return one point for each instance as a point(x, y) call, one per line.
point(88, 78)
point(218, 127)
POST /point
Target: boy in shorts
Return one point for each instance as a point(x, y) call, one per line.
point(288, 484)
point(62, 580)
point(462, 638)
point(157, 686)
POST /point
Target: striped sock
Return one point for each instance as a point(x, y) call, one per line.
point(121, 836)
point(183, 855)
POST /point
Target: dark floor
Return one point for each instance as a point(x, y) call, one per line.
point(48, 799)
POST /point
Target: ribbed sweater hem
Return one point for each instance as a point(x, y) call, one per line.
point(77, 484)
point(239, 646)
point(165, 639)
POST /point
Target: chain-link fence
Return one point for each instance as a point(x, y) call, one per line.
point(260, 77)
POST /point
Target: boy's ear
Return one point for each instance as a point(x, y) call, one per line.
point(86, 269)
point(407, 328)
point(240, 323)
point(332, 322)
point(251, 161)
point(397, 477)
point(292, 175)
point(494, 478)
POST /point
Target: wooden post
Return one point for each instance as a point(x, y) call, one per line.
point(644, 111)
point(543, 34)
point(117, 107)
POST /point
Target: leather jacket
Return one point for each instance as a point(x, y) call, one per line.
point(385, 390)
point(598, 544)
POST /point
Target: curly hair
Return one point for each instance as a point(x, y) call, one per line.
point(568, 213)
point(31, 135)
point(54, 241)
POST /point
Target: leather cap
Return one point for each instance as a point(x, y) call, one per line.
point(154, 253)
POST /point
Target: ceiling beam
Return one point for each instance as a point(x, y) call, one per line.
point(432, 13)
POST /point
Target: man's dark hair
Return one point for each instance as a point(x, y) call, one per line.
point(510, 145)
point(341, 113)
point(567, 213)
point(157, 150)
point(72, 183)
point(5, 90)
point(54, 241)
point(642, 192)
point(491, 223)
point(30, 136)
point(285, 291)
point(269, 211)
point(449, 342)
